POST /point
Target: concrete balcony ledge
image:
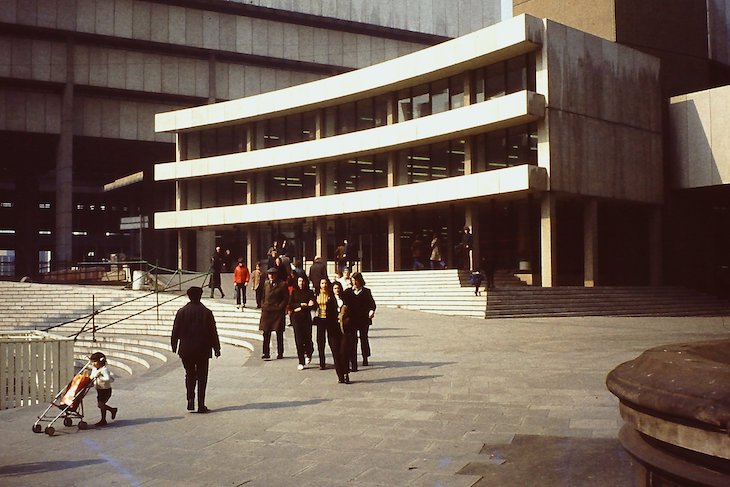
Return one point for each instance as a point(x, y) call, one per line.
point(675, 402)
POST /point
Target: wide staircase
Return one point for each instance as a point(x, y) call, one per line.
point(132, 328)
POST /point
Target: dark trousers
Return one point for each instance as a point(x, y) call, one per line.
point(303, 336)
point(240, 291)
point(196, 372)
point(259, 295)
point(364, 343)
point(279, 342)
point(348, 350)
point(322, 330)
point(334, 336)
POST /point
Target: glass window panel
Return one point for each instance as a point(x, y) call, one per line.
point(275, 132)
point(309, 180)
point(456, 157)
point(456, 91)
point(405, 106)
point(531, 72)
point(494, 81)
point(224, 191)
point(420, 164)
point(380, 171)
point(365, 114)
point(440, 96)
point(309, 125)
point(240, 136)
point(496, 150)
point(293, 129)
point(516, 146)
point(381, 110)
point(240, 189)
point(421, 101)
point(478, 86)
point(479, 156)
point(440, 160)
point(260, 131)
point(346, 118)
point(532, 130)
point(516, 74)
point(404, 167)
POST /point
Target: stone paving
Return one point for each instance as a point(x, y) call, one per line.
point(450, 402)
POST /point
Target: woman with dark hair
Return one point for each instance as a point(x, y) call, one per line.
point(345, 333)
point(328, 329)
point(361, 309)
point(301, 302)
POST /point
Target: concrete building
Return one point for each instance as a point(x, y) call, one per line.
point(513, 131)
point(81, 80)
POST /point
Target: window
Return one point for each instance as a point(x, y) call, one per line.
point(7, 262)
point(504, 148)
point(290, 183)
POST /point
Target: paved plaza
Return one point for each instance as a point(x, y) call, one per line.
point(447, 402)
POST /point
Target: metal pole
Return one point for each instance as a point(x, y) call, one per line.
point(93, 318)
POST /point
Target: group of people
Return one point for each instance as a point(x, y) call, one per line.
point(341, 310)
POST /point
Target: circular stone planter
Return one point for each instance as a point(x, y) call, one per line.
point(675, 402)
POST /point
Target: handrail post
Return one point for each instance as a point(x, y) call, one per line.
point(93, 318)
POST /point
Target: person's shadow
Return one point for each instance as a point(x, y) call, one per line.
point(41, 467)
point(270, 405)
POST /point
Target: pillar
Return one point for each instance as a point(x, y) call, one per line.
point(64, 169)
point(204, 246)
point(655, 246)
point(548, 236)
point(393, 242)
point(320, 238)
point(590, 243)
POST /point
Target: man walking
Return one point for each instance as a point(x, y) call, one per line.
point(273, 311)
point(194, 328)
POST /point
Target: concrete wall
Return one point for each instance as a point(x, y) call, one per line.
point(719, 20)
point(603, 117)
point(699, 124)
point(593, 16)
point(450, 18)
point(131, 19)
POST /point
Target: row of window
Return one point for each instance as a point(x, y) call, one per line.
point(47, 206)
point(485, 83)
point(493, 150)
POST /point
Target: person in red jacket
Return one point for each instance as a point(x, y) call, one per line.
point(241, 276)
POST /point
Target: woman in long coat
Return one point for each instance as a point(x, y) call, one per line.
point(301, 302)
point(273, 311)
point(361, 309)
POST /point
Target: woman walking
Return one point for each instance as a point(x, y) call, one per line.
point(327, 321)
point(301, 302)
point(361, 308)
point(345, 333)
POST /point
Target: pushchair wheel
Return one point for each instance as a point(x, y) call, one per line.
point(67, 421)
point(37, 428)
point(83, 425)
point(50, 430)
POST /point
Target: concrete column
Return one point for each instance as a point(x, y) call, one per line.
point(471, 220)
point(590, 243)
point(64, 168)
point(320, 238)
point(253, 252)
point(212, 91)
point(204, 246)
point(548, 235)
point(393, 242)
point(655, 244)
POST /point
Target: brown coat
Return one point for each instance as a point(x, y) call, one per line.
point(273, 308)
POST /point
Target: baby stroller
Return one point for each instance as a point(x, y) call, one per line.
point(70, 401)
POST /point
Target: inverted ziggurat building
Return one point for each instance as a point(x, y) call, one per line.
point(582, 145)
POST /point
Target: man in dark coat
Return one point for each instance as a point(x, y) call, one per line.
point(195, 330)
point(273, 311)
point(317, 272)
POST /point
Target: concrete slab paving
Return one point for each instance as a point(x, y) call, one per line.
point(448, 401)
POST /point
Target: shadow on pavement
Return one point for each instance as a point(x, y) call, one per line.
point(355, 378)
point(40, 467)
point(555, 461)
point(270, 405)
point(398, 364)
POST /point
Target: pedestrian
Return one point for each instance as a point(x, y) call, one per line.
point(257, 281)
point(273, 311)
point(342, 255)
point(347, 335)
point(418, 248)
point(345, 279)
point(476, 280)
point(272, 253)
point(487, 269)
point(194, 336)
point(103, 378)
point(301, 303)
point(436, 259)
point(467, 242)
point(241, 276)
point(216, 265)
point(361, 307)
point(317, 271)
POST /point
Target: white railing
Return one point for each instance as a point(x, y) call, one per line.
point(34, 367)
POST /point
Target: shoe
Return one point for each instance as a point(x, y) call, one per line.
point(300, 367)
point(223, 295)
point(341, 380)
point(265, 357)
point(353, 369)
point(191, 404)
point(203, 410)
point(322, 367)
point(365, 362)
point(102, 423)
point(114, 413)
point(309, 360)
point(279, 357)
point(347, 379)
